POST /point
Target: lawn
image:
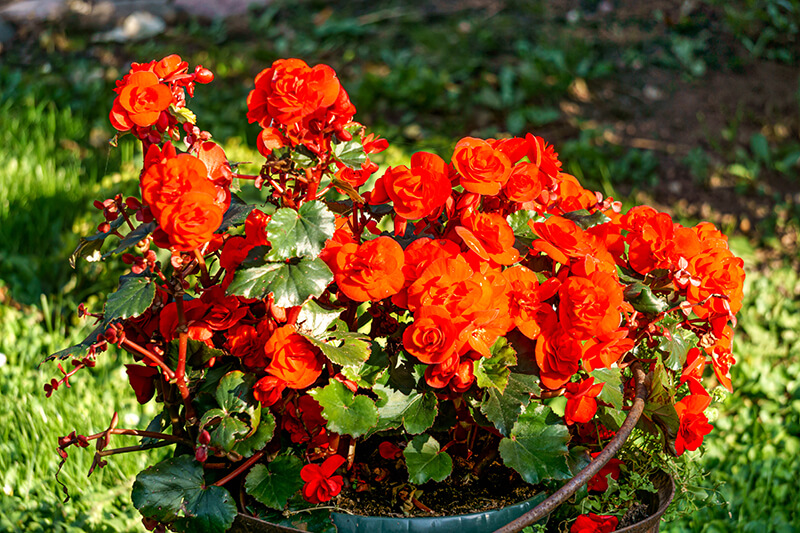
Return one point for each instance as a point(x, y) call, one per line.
point(693, 110)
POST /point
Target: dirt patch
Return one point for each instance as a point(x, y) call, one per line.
point(461, 493)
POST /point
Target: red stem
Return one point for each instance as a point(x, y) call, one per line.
point(132, 346)
point(241, 468)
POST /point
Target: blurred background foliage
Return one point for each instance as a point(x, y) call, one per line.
point(689, 106)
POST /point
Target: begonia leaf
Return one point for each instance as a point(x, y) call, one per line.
point(345, 412)
point(300, 233)
point(350, 153)
point(612, 392)
point(666, 418)
point(314, 319)
point(366, 374)
point(425, 460)
point(302, 157)
point(236, 214)
point(415, 411)
point(274, 483)
point(493, 371)
point(537, 445)
point(676, 342)
point(503, 408)
point(198, 354)
point(523, 234)
point(291, 283)
point(228, 428)
point(643, 300)
point(93, 243)
point(135, 294)
point(259, 439)
point(586, 220)
point(80, 349)
point(132, 238)
point(235, 393)
point(341, 346)
point(174, 491)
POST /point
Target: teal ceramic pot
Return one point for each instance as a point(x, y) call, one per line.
point(345, 523)
point(468, 523)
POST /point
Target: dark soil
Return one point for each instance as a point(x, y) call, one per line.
point(461, 493)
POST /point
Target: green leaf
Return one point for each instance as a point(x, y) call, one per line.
point(676, 342)
point(503, 408)
point(610, 417)
point(236, 214)
point(228, 428)
point(315, 320)
point(537, 446)
point(585, 220)
point(235, 393)
point(493, 371)
point(300, 233)
point(274, 483)
point(345, 412)
point(523, 234)
point(302, 157)
point(132, 238)
point(344, 347)
point(174, 491)
point(612, 392)
point(643, 300)
point(760, 147)
point(415, 411)
point(134, 296)
point(198, 354)
point(80, 349)
point(666, 418)
point(259, 439)
point(350, 153)
point(367, 373)
point(90, 245)
point(291, 283)
point(425, 460)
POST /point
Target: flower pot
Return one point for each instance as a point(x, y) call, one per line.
point(348, 523)
point(471, 523)
point(656, 508)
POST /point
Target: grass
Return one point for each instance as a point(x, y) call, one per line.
point(422, 79)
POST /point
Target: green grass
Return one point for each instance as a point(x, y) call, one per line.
point(422, 80)
point(30, 499)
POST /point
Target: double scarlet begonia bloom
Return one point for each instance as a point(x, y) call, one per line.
point(321, 485)
point(432, 337)
point(140, 101)
point(483, 169)
point(581, 403)
point(592, 523)
point(693, 423)
point(416, 191)
point(292, 358)
point(186, 203)
point(370, 271)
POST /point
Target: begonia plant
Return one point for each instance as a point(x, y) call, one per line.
point(360, 330)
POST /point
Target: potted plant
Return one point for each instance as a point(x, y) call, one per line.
point(409, 341)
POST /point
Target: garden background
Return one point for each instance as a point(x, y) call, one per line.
point(689, 106)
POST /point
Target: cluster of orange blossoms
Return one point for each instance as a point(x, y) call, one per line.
point(498, 243)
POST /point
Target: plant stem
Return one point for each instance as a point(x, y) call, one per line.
point(241, 468)
point(204, 278)
point(132, 346)
point(183, 342)
point(127, 449)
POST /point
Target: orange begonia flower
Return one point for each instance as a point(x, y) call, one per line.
point(293, 359)
point(483, 169)
point(370, 271)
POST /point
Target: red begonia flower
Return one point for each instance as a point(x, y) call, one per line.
point(321, 485)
